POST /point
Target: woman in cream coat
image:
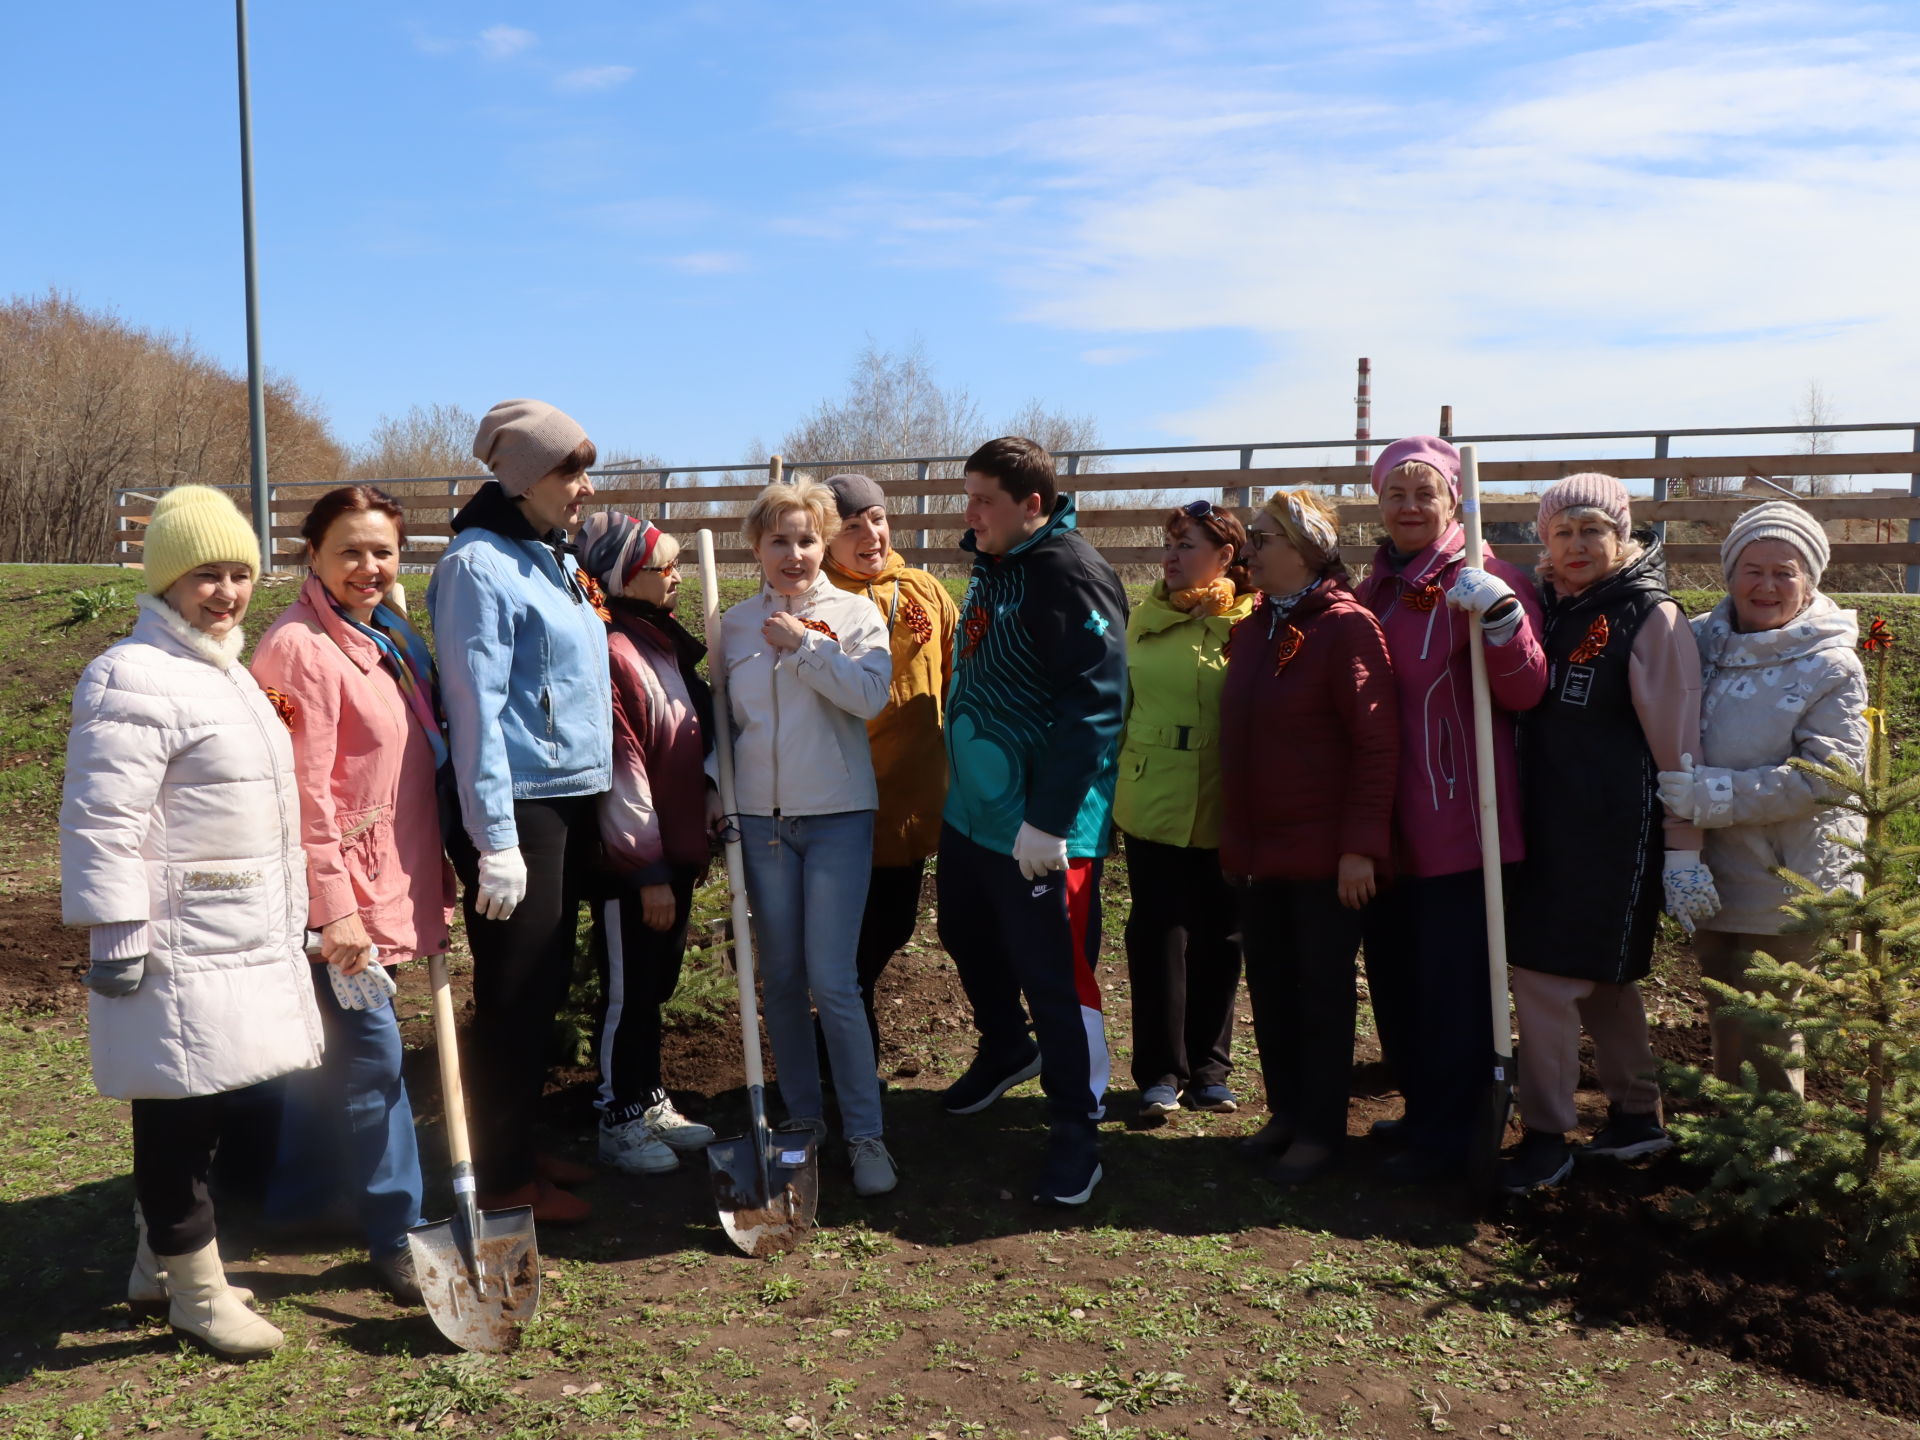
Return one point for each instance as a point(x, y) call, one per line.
point(180, 850)
point(807, 666)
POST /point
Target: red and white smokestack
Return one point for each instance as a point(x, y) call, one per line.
point(1363, 415)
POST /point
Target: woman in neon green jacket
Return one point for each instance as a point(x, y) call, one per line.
point(1183, 963)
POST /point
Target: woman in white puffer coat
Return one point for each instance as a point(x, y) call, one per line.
point(180, 851)
point(1781, 678)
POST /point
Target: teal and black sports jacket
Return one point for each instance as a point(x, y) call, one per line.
point(1038, 693)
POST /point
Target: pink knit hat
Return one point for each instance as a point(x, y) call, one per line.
point(1427, 450)
point(1588, 488)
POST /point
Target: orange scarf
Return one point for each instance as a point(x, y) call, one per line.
point(1214, 599)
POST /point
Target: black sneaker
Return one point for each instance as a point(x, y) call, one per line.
point(397, 1277)
point(987, 1079)
point(1541, 1158)
point(1072, 1166)
point(1628, 1135)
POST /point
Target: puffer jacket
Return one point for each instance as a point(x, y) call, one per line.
point(909, 756)
point(369, 817)
point(1767, 697)
point(1437, 812)
point(800, 720)
point(181, 810)
point(1169, 788)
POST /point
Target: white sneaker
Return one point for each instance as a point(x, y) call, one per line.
point(670, 1127)
point(633, 1149)
point(872, 1166)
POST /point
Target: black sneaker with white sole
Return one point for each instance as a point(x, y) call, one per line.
point(1541, 1158)
point(987, 1079)
point(1628, 1135)
point(1072, 1166)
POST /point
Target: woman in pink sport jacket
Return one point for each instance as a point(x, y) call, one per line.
point(1426, 934)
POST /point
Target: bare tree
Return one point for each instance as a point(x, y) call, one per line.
point(1816, 409)
point(429, 440)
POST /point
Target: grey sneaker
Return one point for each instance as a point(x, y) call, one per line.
point(633, 1149)
point(873, 1172)
point(670, 1127)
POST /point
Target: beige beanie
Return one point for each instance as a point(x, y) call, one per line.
point(195, 525)
point(1778, 520)
point(522, 441)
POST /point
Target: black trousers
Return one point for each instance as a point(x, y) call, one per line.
point(1012, 940)
point(639, 970)
point(1426, 952)
point(1300, 943)
point(522, 967)
point(173, 1145)
point(1183, 965)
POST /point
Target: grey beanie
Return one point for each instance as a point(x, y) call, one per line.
point(523, 441)
point(1778, 520)
point(854, 493)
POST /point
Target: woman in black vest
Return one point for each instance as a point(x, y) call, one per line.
point(1622, 704)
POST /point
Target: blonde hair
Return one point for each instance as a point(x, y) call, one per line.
point(1310, 525)
point(1630, 548)
point(774, 503)
point(666, 550)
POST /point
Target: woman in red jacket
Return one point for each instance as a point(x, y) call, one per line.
point(1310, 747)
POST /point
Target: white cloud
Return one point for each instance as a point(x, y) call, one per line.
point(500, 42)
point(708, 262)
point(593, 77)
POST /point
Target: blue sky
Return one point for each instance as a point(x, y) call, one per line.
point(681, 221)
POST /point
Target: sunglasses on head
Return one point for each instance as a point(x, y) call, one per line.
point(1200, 509)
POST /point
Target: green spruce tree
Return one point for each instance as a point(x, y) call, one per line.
point(1842, 1173)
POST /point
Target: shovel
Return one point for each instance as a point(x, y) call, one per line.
point(767, 1187)
point(479, 1272)
point(1494, 1104)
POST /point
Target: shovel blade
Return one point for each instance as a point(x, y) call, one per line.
point(483, 1313)
point(765, 1216)
point(1493, 1107)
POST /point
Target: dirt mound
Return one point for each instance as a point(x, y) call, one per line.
point(41, 960)
point(1636, 1262)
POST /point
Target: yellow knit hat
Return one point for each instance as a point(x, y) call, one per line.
point(195, 525)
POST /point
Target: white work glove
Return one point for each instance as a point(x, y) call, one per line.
point(1700, 797)
point(503, 883)
point(1482, 593)
point(366, 989)
point(1038, 852)
point(1691, 897)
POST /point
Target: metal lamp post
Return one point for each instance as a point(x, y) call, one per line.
point(256, 393)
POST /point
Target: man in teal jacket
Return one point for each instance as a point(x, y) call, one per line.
point(1033, 732)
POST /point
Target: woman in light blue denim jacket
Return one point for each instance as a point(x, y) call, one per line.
point(523, 674)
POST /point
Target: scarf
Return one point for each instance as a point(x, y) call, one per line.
point(1213, 599)
point(407, 659)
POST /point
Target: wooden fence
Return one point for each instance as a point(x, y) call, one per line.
point(432, 503)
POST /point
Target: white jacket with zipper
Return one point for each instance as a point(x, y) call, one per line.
point(800, 720)
point(180, 810)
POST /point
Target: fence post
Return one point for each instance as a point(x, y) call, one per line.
point(921, 473)
point(1913, 526)
point(666, 506)
point(1660, 486)
point(1238, 497)
point(1073, 468)
point(267, 563)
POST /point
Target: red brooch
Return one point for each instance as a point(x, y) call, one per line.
point(1594, 642)
point(1290, 639)
point(1878, 636)
point(282, 706)
point(975, 629)
point(821, 627)
point(1425, 599)
point(590, 588)
point(918, 621)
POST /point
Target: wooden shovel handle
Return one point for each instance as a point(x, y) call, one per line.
point(453, 1093)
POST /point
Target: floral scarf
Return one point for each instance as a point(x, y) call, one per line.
point(405, 655)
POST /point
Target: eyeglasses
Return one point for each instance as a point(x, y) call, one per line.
point(672, 567)
point(1257, 539)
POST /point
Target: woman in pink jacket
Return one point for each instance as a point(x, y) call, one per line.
point(1426, 935)
point(356, 686)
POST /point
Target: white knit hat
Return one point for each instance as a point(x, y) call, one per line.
point(1778, 520)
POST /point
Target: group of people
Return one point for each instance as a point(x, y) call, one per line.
point(1288, 756)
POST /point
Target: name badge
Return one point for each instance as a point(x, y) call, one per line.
point(1579, 685)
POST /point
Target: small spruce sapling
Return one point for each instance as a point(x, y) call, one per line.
point(1844, 1172)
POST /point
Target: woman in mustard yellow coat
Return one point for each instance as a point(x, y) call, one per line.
point(909, 759)
point(1183, 963)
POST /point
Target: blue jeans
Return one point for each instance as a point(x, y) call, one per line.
point(807, 882)
point(348, 1129)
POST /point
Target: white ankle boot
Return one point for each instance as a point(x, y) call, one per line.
point(147, 1283)
point(206, 1307)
